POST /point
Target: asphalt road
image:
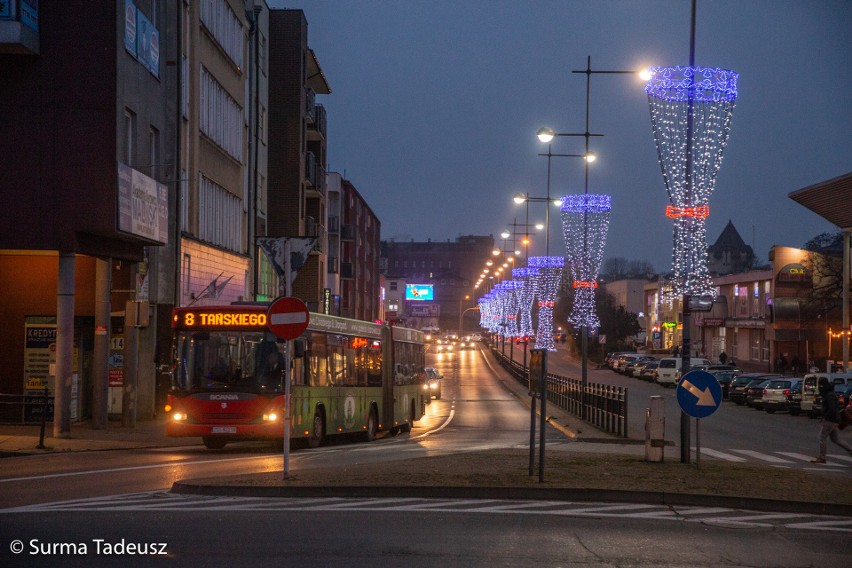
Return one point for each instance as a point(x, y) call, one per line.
point(240, 532)
point(733, 433)
point(111, 506)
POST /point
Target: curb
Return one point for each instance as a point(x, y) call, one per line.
point(516, 493)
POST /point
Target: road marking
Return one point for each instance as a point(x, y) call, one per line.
point(133, 468)
point(762, 456)
point(722, 455)
point(716, 516)
point(439, 428)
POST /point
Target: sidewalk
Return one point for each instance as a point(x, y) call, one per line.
point(17, 439)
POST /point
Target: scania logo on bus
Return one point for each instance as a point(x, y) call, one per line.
point(224, 397)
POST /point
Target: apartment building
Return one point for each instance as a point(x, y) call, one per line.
point(87, 101)
point(296, 183)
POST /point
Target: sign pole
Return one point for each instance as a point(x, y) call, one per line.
point(288, 289)
point(698, 443)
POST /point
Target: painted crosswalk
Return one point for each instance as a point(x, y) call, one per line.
point(715, 516)
point(834, 462)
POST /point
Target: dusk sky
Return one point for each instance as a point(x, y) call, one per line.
point(435, 107)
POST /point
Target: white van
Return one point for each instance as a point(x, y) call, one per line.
point(810, 388)
point(668, 371)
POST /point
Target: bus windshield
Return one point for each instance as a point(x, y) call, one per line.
point(244, 360)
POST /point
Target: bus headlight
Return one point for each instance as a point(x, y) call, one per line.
point(270, 417)
point(179, 416)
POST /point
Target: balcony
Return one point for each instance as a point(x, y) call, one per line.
point(314, 229)
point(310, 105)
point(19, 28)
point(317, 126)
point(314, 176)
point(347, 232)
point(333, 224)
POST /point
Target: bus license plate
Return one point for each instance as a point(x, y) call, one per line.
point(223, 430)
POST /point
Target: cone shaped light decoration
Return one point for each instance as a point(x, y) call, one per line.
point(513, 290)
point(547, 285)
point(691, 109)
point(526, 295)
point(585, 222)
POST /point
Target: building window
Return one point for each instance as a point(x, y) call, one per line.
point(129, 136)
point(186, 271)
point(393, 286)
point(225, 27)
point(219, 215)
point(154, 141)
point(184, 200)
point(221, 116)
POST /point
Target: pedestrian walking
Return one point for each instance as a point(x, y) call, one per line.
point(830, 421)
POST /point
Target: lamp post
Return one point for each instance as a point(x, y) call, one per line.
point(461, 312)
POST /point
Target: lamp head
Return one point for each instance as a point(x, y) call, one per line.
point(545, 134)
point(519, 198)
point(505, 234)
point(590, 157)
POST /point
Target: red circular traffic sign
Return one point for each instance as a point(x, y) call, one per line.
point(287, 317)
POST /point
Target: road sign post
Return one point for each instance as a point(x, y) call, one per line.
point(287, 318)
point(699, 395)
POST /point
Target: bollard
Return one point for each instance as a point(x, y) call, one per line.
point(655, 429)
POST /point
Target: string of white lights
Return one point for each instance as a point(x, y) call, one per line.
point(691, 110)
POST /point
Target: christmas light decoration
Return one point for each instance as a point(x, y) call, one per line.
point(513, 290)
point(585, 223)
point(691, 109)
point(526, 296)
point(547, 285)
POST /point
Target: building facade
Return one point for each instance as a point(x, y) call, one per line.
point(450, 267)
point(296, 183)
point(89, 141)
point(763, 320)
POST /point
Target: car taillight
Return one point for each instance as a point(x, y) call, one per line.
point(787, 392)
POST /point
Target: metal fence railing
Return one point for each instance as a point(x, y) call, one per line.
point(27, 409)
point(604, 406)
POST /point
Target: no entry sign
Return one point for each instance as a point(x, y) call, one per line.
point(287, 317)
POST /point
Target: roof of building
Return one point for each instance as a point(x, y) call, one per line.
point(830, 199)
point(729, 239)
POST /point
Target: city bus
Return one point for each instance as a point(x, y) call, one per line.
point(346, 377)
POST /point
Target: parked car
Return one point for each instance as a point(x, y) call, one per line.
point(648, 371)
point(841, 391)
point(433, 381)
point(725, 379)
point(776, 392)
point(737, 390)
point(624, 360)
point(810, 390)
point(754, 393)
point(668, 373)
point(630, 369)
point(718, 367)
point(612, 357)
point(794, 399)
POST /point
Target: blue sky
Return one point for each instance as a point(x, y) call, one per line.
point(435, 107)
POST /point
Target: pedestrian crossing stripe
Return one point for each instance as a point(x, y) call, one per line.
point(719, 516)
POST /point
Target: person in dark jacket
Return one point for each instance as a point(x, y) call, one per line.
point(830, 421)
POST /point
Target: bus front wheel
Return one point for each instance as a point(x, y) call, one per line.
point(315, 439)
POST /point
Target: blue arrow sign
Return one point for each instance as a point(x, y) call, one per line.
point(699, 394)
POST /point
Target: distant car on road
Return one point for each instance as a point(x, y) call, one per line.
point(433, 382)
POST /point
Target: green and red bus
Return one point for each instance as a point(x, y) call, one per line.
point(346, 377)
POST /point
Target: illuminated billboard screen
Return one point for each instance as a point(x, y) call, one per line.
point(419, 292)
